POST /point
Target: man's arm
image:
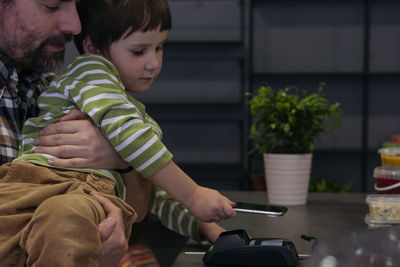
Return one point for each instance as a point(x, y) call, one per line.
point(77, 143)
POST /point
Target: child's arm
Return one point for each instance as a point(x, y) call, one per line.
point(210, 231)
point(206, 204)
point(177, 218)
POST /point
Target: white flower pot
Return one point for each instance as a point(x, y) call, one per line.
point(287, 178)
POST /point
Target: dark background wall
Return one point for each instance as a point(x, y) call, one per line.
point(220, 49)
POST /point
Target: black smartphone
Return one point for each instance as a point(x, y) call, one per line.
point(271, 211)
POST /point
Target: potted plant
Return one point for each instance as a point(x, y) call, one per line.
point(285, 125)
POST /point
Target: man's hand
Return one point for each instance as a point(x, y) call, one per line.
point(77, 143)
point(112, 233)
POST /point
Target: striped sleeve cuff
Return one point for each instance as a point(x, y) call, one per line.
point(174, 215)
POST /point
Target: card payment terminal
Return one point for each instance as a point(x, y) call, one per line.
point(235, 248)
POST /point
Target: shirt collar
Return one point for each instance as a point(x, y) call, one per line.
point(7, 69)
point(5, 66)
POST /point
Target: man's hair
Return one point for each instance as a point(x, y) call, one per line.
point(106, 21)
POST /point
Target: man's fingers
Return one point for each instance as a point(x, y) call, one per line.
point(75, 115)
point(110, 228)
point(56, 140)
point(106, 228)
point(57, 128)
point(66, 127)
point(108, 206)
point(69, 163)
point(64, 156)
point(103, 201)
point(64, 151)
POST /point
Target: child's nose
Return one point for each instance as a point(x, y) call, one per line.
point(154, 61)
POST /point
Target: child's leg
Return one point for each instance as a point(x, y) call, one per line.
point(11, 226)
point(17, 204)
point(45, 193)
point(63, 232)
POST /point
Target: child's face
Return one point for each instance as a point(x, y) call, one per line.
point(138, 58)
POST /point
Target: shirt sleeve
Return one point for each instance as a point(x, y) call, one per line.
point(174, 215)
point(93, 85)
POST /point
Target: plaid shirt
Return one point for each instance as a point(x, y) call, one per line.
point(18, 93)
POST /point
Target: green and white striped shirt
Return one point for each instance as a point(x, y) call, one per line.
point(92, 84)
point(173, 215)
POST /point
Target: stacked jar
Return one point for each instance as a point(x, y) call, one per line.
point(384, 206)
point(394, 141)
point(387, 176)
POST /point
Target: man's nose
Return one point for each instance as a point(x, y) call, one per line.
point(69, 21)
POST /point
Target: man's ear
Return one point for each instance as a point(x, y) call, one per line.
point(89, 47)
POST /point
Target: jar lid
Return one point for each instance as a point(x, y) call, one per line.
point(390, 151)
point(381, 172)
point(391, 199)
point(390, 156)
point(390, 144)
point(395, 138)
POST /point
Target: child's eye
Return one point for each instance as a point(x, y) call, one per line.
point(138, 52)
point(160, 48)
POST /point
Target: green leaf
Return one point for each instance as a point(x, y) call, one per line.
point(288, 120)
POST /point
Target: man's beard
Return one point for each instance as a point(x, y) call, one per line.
point(35, 58)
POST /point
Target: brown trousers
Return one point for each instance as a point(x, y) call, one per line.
point(48, 219)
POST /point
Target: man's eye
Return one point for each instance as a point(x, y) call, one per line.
point(51, 8)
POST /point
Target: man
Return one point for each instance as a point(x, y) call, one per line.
point(33, 34)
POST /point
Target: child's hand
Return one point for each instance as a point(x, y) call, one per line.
point(209, 205)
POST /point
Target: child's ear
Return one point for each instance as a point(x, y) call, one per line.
point(89, 47)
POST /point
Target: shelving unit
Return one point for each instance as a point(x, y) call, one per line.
point(199, 97)
point(352, 47)
point(220, 49)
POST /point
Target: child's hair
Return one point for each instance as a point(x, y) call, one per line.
point(106, 21)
